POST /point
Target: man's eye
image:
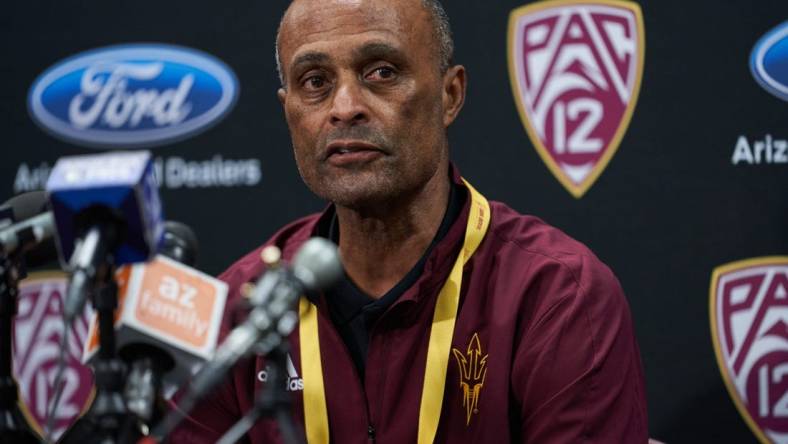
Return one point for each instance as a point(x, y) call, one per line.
point(382, 73)
point(314, 82)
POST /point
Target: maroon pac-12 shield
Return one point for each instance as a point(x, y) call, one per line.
point(38, 329)
point(749, 328)
point(575, 68)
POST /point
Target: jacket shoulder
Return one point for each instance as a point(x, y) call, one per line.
point(573, 334)
point(535, 250)
point(533, 236)
point(288, 239)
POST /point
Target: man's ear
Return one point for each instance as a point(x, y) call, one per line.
point(454, 85)
point(282, 94)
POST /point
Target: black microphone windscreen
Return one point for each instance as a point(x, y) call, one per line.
point(25, 206)
point(180, 243)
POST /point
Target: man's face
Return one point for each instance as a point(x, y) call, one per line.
point(364, 98)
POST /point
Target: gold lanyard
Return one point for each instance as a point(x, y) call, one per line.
point(441, 332)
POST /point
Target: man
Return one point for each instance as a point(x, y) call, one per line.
point(458, 319)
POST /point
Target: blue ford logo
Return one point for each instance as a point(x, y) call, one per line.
point(132, 95)
point(769, 61)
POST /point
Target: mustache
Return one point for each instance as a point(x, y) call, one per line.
point(360, 133)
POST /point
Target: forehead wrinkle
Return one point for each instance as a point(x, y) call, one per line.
point(376, 50)
point(307, 22)
point(306, 18)
point(310, 57)
point(321, 51)
point(329, 17)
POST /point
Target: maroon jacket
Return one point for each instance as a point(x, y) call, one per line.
point(563, 365)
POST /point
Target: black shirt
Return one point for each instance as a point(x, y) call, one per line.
point(354, 312)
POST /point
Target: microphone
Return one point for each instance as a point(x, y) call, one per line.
point(22, 206)
point(107, 212)
point(6, 215)
point(316, 266)
point(179, 243)
point(168, 319)
point(33, 233)
point(147, 362)
point(29, 232)
point(15, 241)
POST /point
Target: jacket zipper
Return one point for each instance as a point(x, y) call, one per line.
point(379, 407)
point(371, 433)
point(360, 385)
point(357, 377)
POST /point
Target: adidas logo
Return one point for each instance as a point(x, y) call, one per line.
point(294, 382)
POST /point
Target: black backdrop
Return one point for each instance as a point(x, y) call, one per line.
point(669, 208)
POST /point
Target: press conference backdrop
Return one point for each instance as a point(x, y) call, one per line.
point(658, 139)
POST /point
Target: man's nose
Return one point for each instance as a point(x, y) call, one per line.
point(349, 106)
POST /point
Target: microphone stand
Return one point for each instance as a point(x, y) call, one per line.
point(106, 421)
point(13, 424)
point(271, 401)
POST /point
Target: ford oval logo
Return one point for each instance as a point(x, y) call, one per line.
point(132, 95)
point(769, 61)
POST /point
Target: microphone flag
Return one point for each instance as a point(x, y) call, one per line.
point(168, 305)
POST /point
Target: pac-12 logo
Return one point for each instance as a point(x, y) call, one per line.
point(575, 68)
point(38, 332)
point(132, 95)
point(749, 326)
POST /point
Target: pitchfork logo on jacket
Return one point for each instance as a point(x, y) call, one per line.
point(38, 329)
point(575, 68)
point(132, 95)
point(473, 369)
point(749, 325)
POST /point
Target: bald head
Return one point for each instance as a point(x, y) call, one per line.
point(439, 22)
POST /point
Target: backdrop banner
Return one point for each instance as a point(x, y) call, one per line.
point(653, 131)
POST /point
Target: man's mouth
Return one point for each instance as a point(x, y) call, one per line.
point(346, 152)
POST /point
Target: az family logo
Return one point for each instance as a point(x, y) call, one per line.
point(575, 68)
point(749, 328)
